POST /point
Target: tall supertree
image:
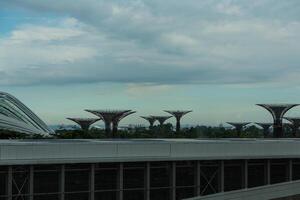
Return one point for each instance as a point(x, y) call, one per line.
point(295, 124)
point(161, 119)
point(266, 128)
point(287, 127)
point(108, 116)
point(115, 122)
point(84, 123)
point(150, 119)
point(238, 126)
point(277, 111)
point(178, 114)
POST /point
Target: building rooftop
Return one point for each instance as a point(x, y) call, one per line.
point(133, 150)
point(15, 116)
point(147, 140)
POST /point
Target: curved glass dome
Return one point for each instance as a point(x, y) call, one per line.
point(15, 116)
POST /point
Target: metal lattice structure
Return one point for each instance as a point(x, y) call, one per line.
point(238, 126)
point(178, 114)
point(84, 123)
point(116, 121)
point(15, 116)
point(108, 169)
point(277, 111)
point(109, 116)
point(266, 128)
point(150, 119)
point(295, 124)
point(161, 119)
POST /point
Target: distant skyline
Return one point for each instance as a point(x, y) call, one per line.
point(216, 57)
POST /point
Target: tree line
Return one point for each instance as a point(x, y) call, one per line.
point(165, 131)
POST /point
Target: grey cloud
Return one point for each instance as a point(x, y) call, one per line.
point(162, 74)
point(165, 42)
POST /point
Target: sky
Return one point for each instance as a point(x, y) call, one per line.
point(216, 57)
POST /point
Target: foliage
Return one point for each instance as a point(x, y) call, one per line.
point(166, 131)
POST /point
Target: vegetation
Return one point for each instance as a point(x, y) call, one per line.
point(6, 134)
point(166, 131)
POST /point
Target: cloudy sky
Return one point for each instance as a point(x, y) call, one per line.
point(216, 57)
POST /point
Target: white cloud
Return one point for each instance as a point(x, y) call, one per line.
point(36, 49)
point(146, 90)
point(179, 41)
point(43, 33)
point(158, 42)
point(227, 7)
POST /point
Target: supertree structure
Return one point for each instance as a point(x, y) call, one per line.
point(295, 124)
point(15, 116)
point(161, 119)
point(150, 119)
point(108, 116)
point(117, 119)
point(84, 123)
point(277, 111)
point(238, 126)
point(178, 114)
point(266, 128)
point(287, 127)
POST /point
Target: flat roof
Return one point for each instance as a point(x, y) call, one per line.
point(51, 151)
point(285, 190)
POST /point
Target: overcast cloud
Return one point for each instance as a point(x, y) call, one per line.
point(153, 42)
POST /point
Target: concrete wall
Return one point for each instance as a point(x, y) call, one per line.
point(71, 151)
